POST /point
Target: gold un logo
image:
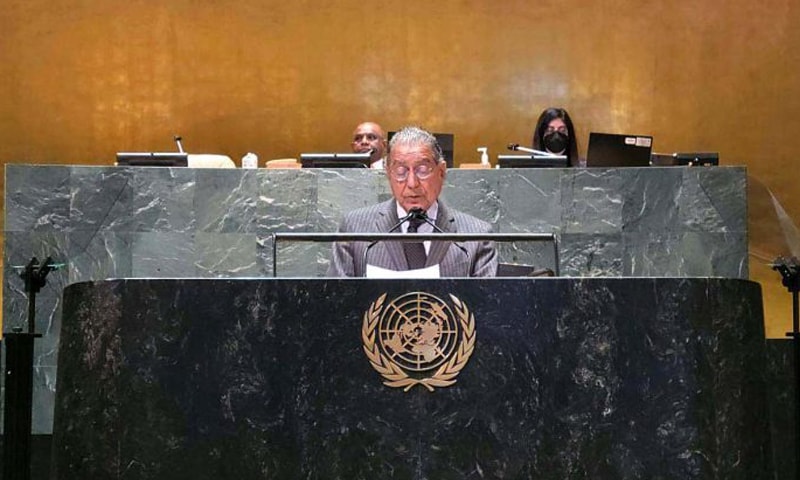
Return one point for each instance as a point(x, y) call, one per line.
point(418, 339)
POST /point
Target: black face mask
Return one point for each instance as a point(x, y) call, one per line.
point(556, 142)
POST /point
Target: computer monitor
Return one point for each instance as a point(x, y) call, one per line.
point(618, 150)
point(696, 158)
point(152, 159)
point(532, 161)
point(446, 142)
point(335, 160)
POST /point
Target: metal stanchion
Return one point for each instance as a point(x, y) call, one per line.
point(790, 271)
point(19, 379)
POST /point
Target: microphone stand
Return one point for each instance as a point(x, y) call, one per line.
point(541, 153)
point(19, 379)
point(790, 272)
point(413, 213)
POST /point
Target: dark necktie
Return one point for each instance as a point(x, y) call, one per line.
point(415, 251)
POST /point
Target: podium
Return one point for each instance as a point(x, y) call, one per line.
point(123, 222)
point(271, 378)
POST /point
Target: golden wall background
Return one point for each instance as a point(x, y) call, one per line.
point(82, 80)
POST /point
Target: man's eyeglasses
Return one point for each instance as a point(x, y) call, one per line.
point(422, 171)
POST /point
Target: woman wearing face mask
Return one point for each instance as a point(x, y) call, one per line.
point(555, 133)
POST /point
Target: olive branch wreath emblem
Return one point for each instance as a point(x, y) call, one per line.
point(393, 374)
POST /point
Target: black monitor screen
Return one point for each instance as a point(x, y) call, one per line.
point(532, 161)
point(335, 160)
point(146, 159)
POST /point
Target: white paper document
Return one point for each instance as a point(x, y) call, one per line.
point(378, 272)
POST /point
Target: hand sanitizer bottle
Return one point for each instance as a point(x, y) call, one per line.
point(484, 155)
point(250, 160)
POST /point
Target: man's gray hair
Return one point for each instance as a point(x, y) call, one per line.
point(412, 135)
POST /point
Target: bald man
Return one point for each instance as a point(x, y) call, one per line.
point(369, 137)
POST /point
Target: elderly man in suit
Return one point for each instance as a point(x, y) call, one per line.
point(416, 169)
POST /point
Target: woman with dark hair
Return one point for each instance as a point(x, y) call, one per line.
point(555, 133)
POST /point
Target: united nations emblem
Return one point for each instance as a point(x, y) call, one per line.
point(418, 339)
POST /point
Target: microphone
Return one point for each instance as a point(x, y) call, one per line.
point(178, 139)
point(413, 213)
point(517, 147)
point(418, 214)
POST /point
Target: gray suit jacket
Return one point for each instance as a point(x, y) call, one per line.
point(479, 260)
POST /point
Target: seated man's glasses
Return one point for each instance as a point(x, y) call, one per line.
point(422, 171)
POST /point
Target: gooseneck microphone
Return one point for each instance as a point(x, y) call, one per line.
point(178, 139)
point(417, 213)
point(517, 147)
point(413, 213)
